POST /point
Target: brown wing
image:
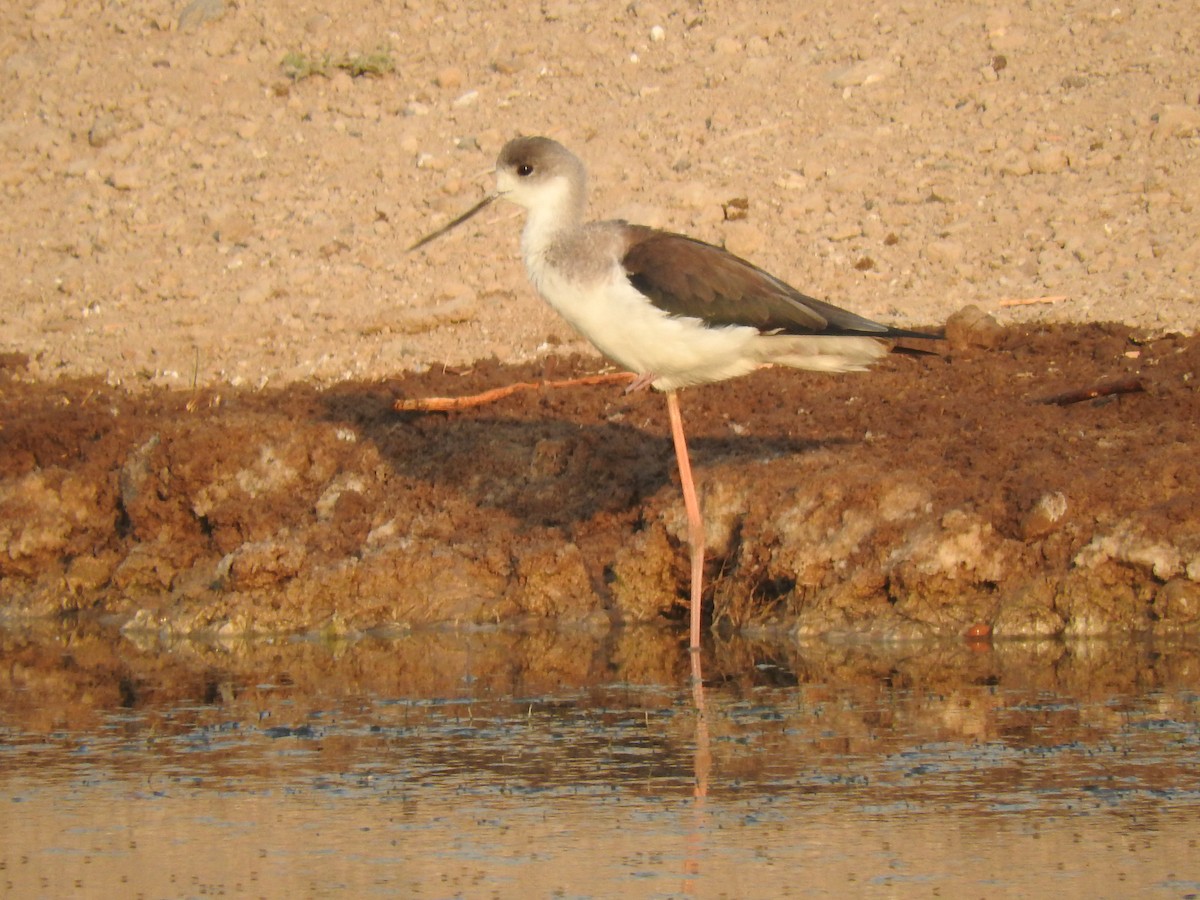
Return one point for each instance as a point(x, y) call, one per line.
point(686, 277)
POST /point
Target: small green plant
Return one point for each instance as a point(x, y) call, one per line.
point(298, 66)
point(377, 63)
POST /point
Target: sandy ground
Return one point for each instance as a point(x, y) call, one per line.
point(179, 211)
point(207, 312)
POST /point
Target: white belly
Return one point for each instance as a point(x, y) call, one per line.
point(627, 328)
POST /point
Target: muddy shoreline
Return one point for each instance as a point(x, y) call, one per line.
point(933, 496)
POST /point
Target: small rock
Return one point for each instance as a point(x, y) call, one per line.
point(972, 327)
point(1046, 516)
point(693, 195)
point(200, 12)
point(865, 73)
point(103, 130)
point(257, 293)
point(845, 231)
point(433, 163)
point(48, 11)
point(944, 252)
point(259, 564)
point(135, 473)
point(127, 178)
point(1029, 613)
point(1049, 161)
point(1178, 602)
point(736, 209)
point(1005, 40)
point(317, 23)
point(450, 77)
point(743, 239)
point(1177, 120)
point(427, 318)
point(89, 573)
point(727, 46)
point(145, 566)
point(1015, 162)
point(326, 503)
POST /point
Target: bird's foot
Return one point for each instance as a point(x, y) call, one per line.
point(640, 383)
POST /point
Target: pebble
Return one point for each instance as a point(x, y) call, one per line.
point(1049, 161)
point(1046, 516)
point(103, 130)
point(693, 195)
point(743, 239)
point(200, 12)
point(1016, 163)
point(450, 77)
point(1177, 121)
point(727, 46)
point(944, 253)
point(845, 231)
point(258, 293)
point(1006, 40)
point(127, 178)
point(865, 73)
point(48, 11)
point(317, 23)
point(462, 308)
point(1179, 601)
point(88, 573)
point(972, 327)
point(433, 163)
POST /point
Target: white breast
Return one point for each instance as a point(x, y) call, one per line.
point(627, 328)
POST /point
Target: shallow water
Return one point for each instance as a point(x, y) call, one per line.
point(568, 765)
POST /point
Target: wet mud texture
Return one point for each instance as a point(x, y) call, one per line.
point(935, 495)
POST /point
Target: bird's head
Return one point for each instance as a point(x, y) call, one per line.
point(542, 175)
point(539, 174)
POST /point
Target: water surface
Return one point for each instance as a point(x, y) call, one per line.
point(448, 765)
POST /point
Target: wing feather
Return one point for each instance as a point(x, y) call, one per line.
point(687, 277)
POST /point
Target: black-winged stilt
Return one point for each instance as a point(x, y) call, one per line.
point(673, 310)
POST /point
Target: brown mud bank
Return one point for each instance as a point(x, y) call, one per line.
point(935, 495)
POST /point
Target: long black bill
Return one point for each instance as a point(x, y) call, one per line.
point(437, 234)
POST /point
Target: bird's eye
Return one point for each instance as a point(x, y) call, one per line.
point(525, 170)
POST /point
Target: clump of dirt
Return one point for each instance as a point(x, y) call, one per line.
point(935, 495)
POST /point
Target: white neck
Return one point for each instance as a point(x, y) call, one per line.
point(557, 212)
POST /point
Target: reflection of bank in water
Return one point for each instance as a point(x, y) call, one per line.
point(491, 763)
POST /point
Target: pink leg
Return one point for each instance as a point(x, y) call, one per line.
point(695, 523)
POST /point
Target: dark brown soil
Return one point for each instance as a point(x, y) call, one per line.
point(934, 495)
